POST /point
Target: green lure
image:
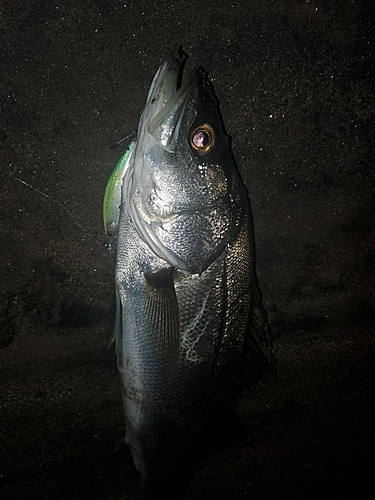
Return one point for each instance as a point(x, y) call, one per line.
point(113, 193)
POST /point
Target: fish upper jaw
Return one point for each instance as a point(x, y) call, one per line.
point(164, 127)
point(166, 102)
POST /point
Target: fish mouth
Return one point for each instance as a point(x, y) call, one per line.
point(166, 102)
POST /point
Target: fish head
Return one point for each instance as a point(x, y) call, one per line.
point(184, 196)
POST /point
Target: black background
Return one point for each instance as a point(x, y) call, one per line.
point(295, 80)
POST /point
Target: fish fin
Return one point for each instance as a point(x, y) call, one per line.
point(161, 311)
point(254, 363)
point(111, 340)
point(117, 333)
point(119, 455)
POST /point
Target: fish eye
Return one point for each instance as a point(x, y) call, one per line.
point(111, 229)
point(202, 138)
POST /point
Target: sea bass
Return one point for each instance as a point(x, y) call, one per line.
point(184, 279)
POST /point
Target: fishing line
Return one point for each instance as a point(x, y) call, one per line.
point(83, 229)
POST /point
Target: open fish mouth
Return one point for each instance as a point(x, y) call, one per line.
point(166, 102)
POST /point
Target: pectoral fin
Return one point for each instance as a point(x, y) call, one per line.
point(161, 312)
point(254, 363)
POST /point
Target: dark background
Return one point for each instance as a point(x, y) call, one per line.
point(295, 80)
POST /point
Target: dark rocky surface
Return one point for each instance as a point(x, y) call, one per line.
point(296, 85)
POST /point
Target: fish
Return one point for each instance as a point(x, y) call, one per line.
point(179, 214)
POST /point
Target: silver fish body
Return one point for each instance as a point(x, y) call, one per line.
point(184, 278)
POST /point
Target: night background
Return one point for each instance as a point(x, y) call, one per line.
point(295, 81)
